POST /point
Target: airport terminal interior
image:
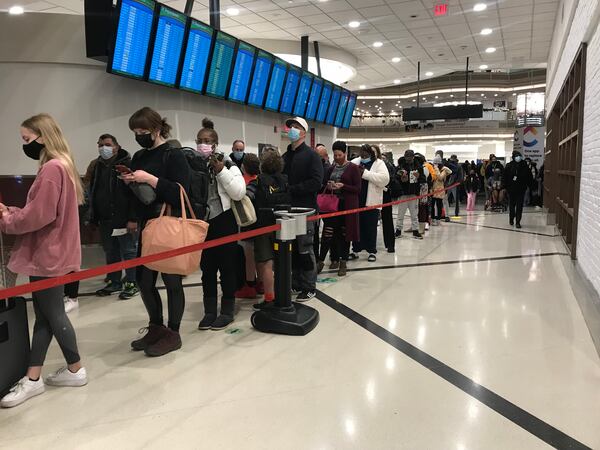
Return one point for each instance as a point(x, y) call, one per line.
point(401, 195)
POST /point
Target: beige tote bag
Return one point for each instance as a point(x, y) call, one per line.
point(169, 233)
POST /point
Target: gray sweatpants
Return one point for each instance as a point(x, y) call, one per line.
point(51, 320)
point(413, 207)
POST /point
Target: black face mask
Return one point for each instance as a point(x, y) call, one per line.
point(33, 150)
point(145, 140)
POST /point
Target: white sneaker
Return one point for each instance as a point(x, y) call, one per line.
point(64, 377)
point(22, 391)
point(71, 304)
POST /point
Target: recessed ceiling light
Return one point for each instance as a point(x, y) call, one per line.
point(363, 102)
point(486, 31)
point(428, 74)
point(495, 95)
point(381, 101)
point(362, 86)
point(490, 49)
point(452, 95)
point(483, 66)
point(483, 95)
point(396, 81)
point(480, 7)
point(354, 24)
point(414, 100)
point(377, 44)
point(232, 11)
point(396, 59)
point(16, 10)
point(436, 96)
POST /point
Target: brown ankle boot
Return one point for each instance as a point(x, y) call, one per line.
point(153, 335)
point(170, 342)
point(343, 269)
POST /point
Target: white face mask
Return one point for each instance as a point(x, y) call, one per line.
point(106, 152)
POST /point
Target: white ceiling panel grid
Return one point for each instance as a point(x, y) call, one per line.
point(521, 30)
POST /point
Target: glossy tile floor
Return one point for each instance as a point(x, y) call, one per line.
point(507, 321)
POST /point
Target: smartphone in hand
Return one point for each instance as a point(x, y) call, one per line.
point(122, 169)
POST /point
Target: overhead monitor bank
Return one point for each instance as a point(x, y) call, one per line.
point(154, 42)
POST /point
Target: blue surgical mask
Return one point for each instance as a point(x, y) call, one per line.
point(238, 155)
point(365, 160)
point(518, 158)
point(294, 134)
point(106, 152)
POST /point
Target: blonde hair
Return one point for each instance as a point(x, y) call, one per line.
point(55, 147)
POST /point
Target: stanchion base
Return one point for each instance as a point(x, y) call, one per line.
point(297, 320)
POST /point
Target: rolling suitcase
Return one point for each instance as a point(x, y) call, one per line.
point(14, 330)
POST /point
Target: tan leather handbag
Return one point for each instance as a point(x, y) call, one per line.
point(169, 233)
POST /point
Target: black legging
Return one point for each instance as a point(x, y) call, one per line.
point(51, 320)
point(334, 238)
point(221, 260)
point(146, 280)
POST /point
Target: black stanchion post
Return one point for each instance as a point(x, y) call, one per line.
point(285, 316)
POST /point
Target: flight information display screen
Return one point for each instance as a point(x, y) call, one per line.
point(339, 117)
point(276, 85)
point(132, 38)
point(349, 111)
point(289, 92)
point(167, 47)
point(313, 100)
point(260, 78)
point(333, 105)
point(241, 72)
point(324, 102)
point(199, 40)
point(220, 66)
point(303, 92)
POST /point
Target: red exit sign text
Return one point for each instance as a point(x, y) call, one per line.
point(440, 9)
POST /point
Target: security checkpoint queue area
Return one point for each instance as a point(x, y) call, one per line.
point(387, 211)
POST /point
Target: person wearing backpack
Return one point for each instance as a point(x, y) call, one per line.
point(390, 192)
point(344, 180)
point(226, 184)
point(411, 175)
point(268, 191)
point(250, 288)
point(162, 170)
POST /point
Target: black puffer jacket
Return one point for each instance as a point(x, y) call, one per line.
point(112, 192)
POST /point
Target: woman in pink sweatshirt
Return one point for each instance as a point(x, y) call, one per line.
point(47, 245)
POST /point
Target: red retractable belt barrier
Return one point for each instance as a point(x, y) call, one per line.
point(102, 270)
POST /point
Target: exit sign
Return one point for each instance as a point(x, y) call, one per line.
point(440, 9)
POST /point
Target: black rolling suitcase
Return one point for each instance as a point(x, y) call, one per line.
point(14, 330)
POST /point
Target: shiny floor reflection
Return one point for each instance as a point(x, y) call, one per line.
point(510, 325)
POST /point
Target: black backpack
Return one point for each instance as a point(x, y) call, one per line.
point(272, 192)
point(199, 181)
point(394, 187)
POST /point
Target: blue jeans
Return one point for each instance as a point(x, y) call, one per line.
point(117, 249)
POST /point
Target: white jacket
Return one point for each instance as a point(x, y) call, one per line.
point(378, 178)
point(231, 186)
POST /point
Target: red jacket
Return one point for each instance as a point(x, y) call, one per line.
point(48, 243)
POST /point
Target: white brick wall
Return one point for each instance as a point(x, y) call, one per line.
point(584, 26)
point(588, 231)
